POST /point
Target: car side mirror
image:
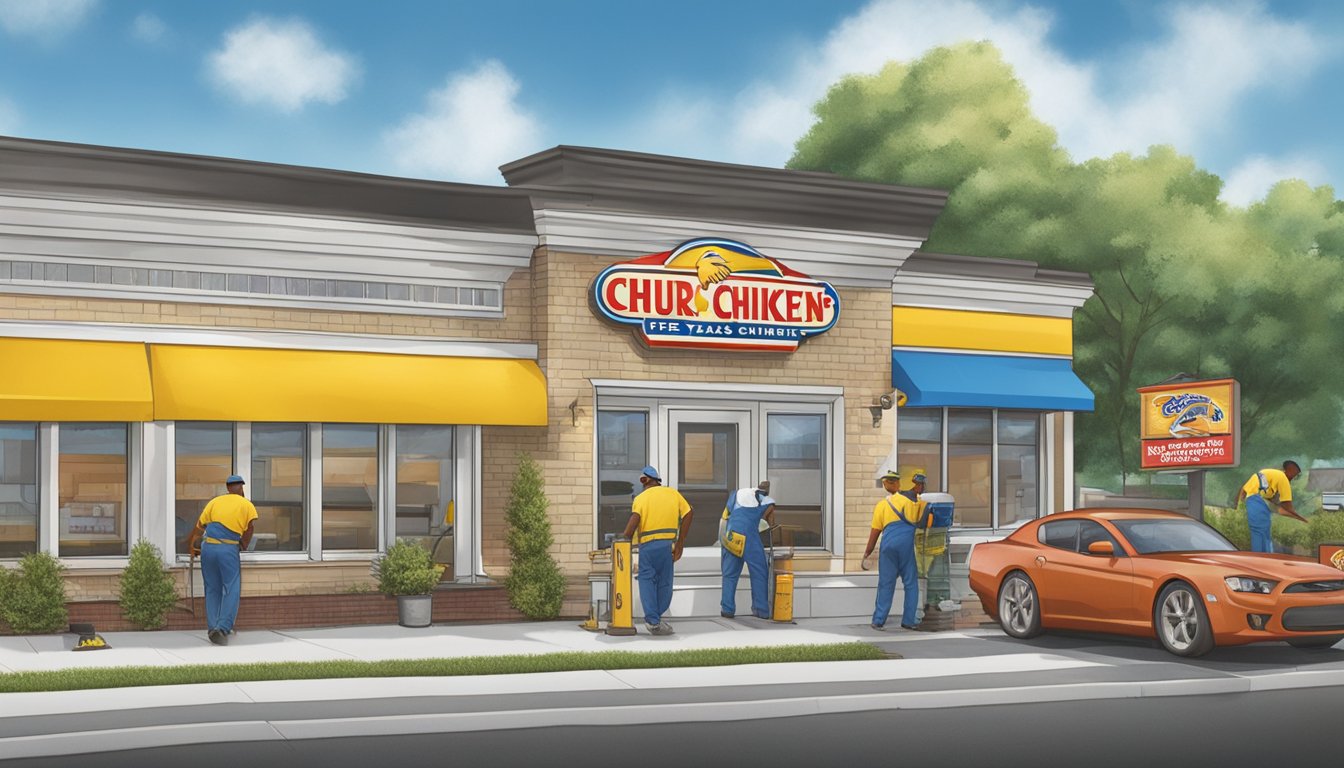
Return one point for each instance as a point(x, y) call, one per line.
point(1101, 548)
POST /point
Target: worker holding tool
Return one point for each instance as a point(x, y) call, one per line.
point(1265, 486)
point(894, 519)
point(226, 526)
point(741, 542)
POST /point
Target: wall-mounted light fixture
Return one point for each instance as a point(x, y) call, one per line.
point(574, 413)
point(882, 403)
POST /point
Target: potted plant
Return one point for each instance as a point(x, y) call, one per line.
point(408, 572)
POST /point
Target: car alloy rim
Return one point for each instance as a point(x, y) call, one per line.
point(1018, 604)
point(1180, 619)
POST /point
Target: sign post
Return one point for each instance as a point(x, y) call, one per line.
point(1190, 426)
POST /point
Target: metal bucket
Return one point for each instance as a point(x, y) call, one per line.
point(414, 610)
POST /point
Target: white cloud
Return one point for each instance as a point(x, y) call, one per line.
point(470, 127)
point(43, 18)
point(148, 28)
point(1179, 89)
point(1248, 182)
point(281, 63)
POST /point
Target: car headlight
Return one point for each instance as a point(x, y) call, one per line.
point(1248, 584)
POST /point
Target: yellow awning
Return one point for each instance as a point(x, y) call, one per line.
point(193, 383)
point(62, 380)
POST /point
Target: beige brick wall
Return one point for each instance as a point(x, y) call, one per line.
point(576, 346)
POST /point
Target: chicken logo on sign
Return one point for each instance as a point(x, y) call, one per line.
point(718, 294)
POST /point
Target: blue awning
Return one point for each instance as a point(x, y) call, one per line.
point(988, 381)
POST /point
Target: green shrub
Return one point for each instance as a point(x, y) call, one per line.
point(1231, 523)
point(1325, 527)
point(535, 585)
point(147, 591)
point(406, 569)
point(32, 599)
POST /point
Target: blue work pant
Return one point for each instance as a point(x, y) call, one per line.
point(222, 574)
point(753, 555)
point(1258, 515)
point(655, 579)
point(896, 557)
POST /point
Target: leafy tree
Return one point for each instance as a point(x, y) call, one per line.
point(1183, 283)
point(535, 585)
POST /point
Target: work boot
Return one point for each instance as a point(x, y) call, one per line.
point(726, 614)
point(218, 637)
point(661, 628)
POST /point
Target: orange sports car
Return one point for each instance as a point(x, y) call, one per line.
point(1145, 572)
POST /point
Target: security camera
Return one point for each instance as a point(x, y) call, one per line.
point(886, 402)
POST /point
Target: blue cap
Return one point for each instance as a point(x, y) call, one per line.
point(649, 471)
point(234, 479)
point(919, 478)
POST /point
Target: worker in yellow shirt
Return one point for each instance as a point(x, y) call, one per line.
point(895, 519)
point(1258, 491)
point(659, 521)
point(226, 525)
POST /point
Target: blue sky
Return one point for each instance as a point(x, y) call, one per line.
point(451, 90)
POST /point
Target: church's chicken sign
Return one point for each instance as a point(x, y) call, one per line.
point(717, 294)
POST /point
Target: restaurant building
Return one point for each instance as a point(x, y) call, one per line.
point(373, 355)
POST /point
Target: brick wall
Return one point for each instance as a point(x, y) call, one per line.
point(575, 346)
point(475, 604)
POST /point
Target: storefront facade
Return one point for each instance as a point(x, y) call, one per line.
point(373, 355)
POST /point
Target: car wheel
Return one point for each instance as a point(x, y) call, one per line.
point(1019, 607)
point(1315, 643)
point(1181, 622)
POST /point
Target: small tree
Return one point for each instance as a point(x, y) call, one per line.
point(535, 585)
point(406, 569)
point(147, 590)
point(32, 599)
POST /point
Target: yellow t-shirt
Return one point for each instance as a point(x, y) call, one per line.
point(229, 510)
point(1276, 484)
point(660, 510)
point(884, 516)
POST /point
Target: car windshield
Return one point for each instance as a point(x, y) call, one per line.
point(1149, 536)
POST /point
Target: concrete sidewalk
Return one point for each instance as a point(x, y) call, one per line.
point(381, 642)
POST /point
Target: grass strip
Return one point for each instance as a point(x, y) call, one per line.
point(126, 677)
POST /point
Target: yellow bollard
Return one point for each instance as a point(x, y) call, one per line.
point(621, 587)
point(783, 609)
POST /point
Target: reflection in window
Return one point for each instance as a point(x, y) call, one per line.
point(622, 452)
point(18, 489)
point(1019, 470)
point(203, 456)
point(796, 468)
point(279, 461)
point(970, 440)
point(92, 476)
point(426, 510)
point(349, 487)
point(919, 435)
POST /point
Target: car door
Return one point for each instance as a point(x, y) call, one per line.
point(1090, 591)
point(1057, 539)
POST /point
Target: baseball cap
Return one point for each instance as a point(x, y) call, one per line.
point(919, 477)
point(891, 474)
point(234, 479)
point(649, 471)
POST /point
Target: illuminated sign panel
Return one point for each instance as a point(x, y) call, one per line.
point(1191, 425)
point(716, 294)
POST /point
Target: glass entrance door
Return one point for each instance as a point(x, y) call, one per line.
point(710, 458)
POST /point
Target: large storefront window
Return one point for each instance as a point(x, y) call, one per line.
point(426, 507)
point(1019, 463)
point(279, 471)
point(203, 459)
point(919, 435)
point(970, 446)
point(92, 476)
point(350, 487)
point(18, 490)
point(622, 452)
point(796, 468)
point(989, 492)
